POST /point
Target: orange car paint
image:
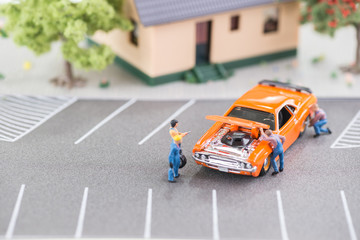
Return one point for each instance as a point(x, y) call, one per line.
point(269, 99)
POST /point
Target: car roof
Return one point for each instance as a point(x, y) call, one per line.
point(269, 98)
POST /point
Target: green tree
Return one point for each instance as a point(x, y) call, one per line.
point(37, 23)
point(330, 15)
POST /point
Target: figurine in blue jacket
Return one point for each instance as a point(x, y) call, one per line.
point(174, 159)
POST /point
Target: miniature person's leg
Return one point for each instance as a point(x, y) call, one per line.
point(317, 128)
point(171, 174)
point(322, 123)
point(176, 167)
point(273, 162)
point(281, 156)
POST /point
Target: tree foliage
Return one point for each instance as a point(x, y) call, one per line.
point(36, 24)
point(330, 15)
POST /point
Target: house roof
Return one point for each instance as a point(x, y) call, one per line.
point(155, 12)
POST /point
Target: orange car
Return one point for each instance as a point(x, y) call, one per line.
point(233, 144)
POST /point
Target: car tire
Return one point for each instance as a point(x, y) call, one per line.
point(183, 161)
point(266, 166)
point(304, 126)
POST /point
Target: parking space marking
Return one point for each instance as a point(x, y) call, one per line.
point(81, 218)
point(167, 121)
point(11, 227)
point(216, 235)
point(108, 118)
point(348, 217)
point(147, 231)
point(350, 137)
point(284, 233)
point(19, 115)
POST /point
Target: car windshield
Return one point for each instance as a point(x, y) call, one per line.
point(253, 115)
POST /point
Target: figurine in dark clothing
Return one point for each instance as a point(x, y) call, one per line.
point(276, 143)
point(318, 119)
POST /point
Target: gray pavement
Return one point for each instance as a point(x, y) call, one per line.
point(118, 172)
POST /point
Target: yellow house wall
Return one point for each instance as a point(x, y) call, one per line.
point(249, 40)
point(139, 56)
point(169, 48)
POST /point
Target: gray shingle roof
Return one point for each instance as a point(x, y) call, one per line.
point(154, 12)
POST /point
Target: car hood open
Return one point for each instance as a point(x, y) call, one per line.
point(238, 121)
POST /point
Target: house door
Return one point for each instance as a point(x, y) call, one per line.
point(203, 33)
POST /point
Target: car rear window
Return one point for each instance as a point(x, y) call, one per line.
point(253, 115)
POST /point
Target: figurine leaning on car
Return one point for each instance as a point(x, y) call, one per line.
point(276, 143)
point(174, 159)
point(318, 119)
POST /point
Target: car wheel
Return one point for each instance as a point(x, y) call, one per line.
point(304, 126)
point(266, 166)
point(183, 161)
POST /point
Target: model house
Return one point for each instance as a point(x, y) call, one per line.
point(199, 40)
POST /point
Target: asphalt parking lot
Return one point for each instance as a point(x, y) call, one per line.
point(98, 168)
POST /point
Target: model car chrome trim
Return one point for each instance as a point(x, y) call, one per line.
point(218, 162)
point(226, 156)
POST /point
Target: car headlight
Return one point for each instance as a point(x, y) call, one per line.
point(197, 155)
point(242, 165)
point(248, 166)
point(203, 157)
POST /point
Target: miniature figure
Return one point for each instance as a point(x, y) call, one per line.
point(173, 129)
point(174, 159)
point(174, 132)
point(276, 143)
point(317, 120)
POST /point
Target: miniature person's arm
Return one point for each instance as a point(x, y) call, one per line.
point(184, 134)
point(173, 133)
point(282, 138)
point(265, 137)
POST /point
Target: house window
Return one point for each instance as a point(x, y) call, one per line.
point(271, 20)
point(234, 23)
point(134, 33)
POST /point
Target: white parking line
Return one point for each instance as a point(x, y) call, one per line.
point(351, 129)
point(167, 121)
point(36, 101)
point(348, 217)
point(11, 227)
point(81, 218)
point(147, 231)
point(17, 123)
point(216, 235)
point(108, 118)
point(28, 103)
point(284, 234)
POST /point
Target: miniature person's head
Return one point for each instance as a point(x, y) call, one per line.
point(268, 132)
point(177, 139)
point(315, 107)
point(174, 123)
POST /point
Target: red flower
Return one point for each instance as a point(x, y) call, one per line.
point(345, 12)
point(330, 11)
point(332, 2)
point(352, 5)
point(332, 24)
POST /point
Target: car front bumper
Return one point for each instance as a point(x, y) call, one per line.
point(224, 165)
